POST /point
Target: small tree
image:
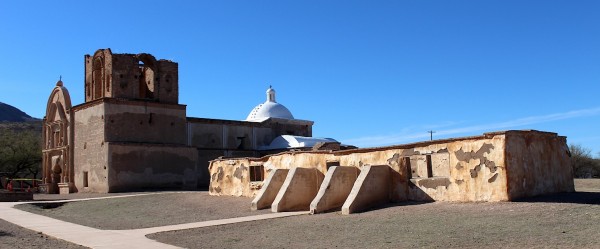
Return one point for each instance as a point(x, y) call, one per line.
point(20, 153)
point(584, 166)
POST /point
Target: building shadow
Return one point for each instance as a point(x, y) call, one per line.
point(573, 197)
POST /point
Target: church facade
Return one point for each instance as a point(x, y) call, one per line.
point(131, 133)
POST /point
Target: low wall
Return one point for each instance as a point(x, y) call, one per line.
point(497, 166)
point(537, 164)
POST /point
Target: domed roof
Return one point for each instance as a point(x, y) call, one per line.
point(269, 109)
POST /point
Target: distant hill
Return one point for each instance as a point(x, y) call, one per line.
point(10, 113)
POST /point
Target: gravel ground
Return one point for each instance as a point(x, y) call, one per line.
point(13, 236)
point(146, 211)
point(570, 220)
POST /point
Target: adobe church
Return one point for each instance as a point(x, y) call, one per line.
point(131, 133)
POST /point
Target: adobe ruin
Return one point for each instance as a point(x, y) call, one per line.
point(497, 166)
point(131, 133)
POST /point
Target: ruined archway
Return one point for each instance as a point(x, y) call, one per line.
point(148, 78)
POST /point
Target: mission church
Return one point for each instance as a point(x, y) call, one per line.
point(131, 133)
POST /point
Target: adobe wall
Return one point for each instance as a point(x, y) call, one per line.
point(462, 169)
point(90, 149)
point(538, 163)
point(216, 138)
point(241, 135)
point(145, 122)
point(130, 76)
point(148, 166)
point(231, 177)
point(465, 169)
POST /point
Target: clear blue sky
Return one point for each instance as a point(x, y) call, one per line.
point(368, 73)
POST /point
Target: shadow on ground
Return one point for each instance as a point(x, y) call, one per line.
point(2, 234)
point(574, 197)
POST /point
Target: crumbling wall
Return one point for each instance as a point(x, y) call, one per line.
point(130, 76)
point(231, 177)
point(537, 163)
point(468, 169)
point(459, 169)
point(497, 166)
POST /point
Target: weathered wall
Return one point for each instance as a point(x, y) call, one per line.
point(230, 177)
point(90, 149)
point(298, 190)
point(270, 189)
point(147, 166)
point(130, 76)
point(144, 122)
point(370, 189)
point(229, 138)
point(335, 189)
point(464, 169)
point(537, 163)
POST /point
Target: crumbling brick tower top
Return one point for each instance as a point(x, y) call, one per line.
point(130, 76)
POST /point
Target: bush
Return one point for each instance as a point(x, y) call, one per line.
point(20, 153)
point(584, 166)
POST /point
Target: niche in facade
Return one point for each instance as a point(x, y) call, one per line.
point(427, 166)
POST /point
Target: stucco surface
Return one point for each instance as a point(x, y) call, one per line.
point(464, 169)
point(298, 190)
point(537, 164)
point(335, 189)
point(270, 189)
point(370, 189)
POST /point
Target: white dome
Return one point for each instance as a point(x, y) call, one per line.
point(269, 109)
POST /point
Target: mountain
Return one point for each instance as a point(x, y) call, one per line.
point(10, 113)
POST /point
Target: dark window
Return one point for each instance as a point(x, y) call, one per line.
point(332, 163)
point(429, 166)
point(406, 164)
point(257, 173)
point(85, 179)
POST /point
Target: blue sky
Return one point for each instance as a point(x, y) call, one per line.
point(368, 73)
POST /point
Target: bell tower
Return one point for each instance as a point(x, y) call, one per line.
point(130, 76)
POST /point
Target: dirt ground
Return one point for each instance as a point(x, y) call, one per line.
point(559, 221)
point(569, 220)
point(13, 236)
point(146, 211)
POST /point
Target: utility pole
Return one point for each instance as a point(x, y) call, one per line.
point(431, 135)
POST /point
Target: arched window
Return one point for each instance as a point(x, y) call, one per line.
point(146, 80)
point(98, 77)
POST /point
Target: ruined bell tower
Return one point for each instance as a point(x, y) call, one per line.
point(130, 76)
